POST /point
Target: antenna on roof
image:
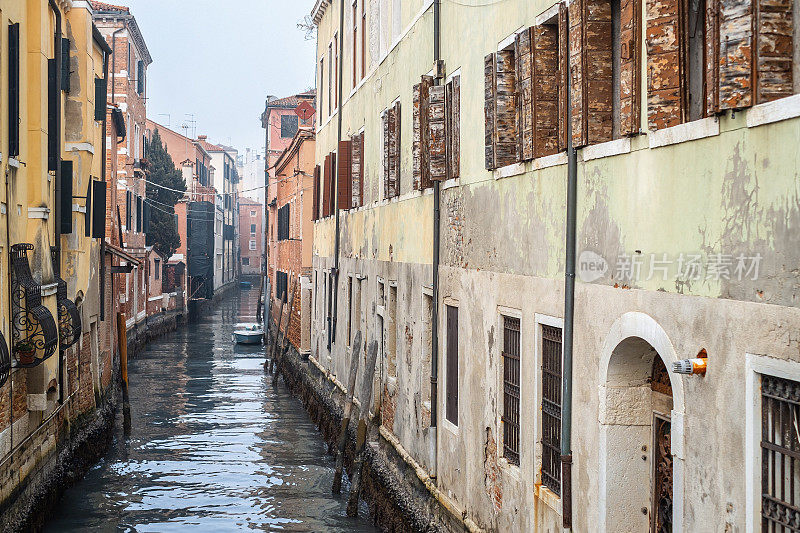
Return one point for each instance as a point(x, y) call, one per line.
point(165, 115)
point(193, 123)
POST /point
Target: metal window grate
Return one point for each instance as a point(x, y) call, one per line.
point(780, 455)
point(551, 408)
point(511, 380)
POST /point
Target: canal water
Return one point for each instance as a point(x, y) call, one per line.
point(213, 447)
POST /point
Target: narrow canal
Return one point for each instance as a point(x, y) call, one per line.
point(214, 447)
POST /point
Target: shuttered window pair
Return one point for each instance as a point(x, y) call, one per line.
point(437, 131)
point(328, 190)
point(357, 171)
point(391, 151)
point(344, 178)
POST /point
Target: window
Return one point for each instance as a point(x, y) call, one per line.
point(391, 151)
point(349, 310)
point(253, 213)
point(335, 70)
point(451, 398)
point(252, 244)
point(436, 131)
point(357, 171)
point(330, 78)
point(355, 43)
point(245, 261)
point(281, 285)
point(322, 81)
point(13, 90)
point(140, 77)
point(511, 389)
point(391, 333)
point(780, 448)
point(289, 125)
point(363, 39)
point(551, 408)
point(157, 268)
point(252, 229)
point(283, 223)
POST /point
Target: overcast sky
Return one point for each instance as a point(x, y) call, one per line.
point(220, 60)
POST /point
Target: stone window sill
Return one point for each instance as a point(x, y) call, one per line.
point(550, 498)
point(449, 184)
point(775, 111)
point(508, 171)
point(690, 131)
point(607, 149)
point(522, 167)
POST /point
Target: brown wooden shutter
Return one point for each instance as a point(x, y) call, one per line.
point(416, 132)
point(545, 90)
point(736, 54)
point(386, 155)
point(712, 56)
point(506, 126)
point(344, 183)
point(438, 134)
point(355, 171)
point(525, 101)
point(563, 75)
point(397, 151)
point(392, 133)
point(326, 192)
point(315, 207)
point(774, 49)
point(665, 64)
point(577, 73)
point(489, 105)
point(599, 76)
point(454, 112)
point(361, 172)
point(630, 66)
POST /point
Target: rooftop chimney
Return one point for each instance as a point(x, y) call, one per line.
point(202, 137)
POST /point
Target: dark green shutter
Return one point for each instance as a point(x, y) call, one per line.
point(65, 64)
point(66, 197)
point(52, 100)
point(138, 214)
point(140, 77)
point(13, 90)
point(128, 202)
point(146, 217)
point(100, 97)
point(99, 209)
point(88, 217)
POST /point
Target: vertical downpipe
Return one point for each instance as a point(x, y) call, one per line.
point(437, 190)
point(103, 172)
point(57, 111)
point(335, 271)
point(569, 320)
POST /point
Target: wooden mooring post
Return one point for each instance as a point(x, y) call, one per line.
point(363, 428)
point(285, 338)
point(269, 363)
point(355, 357)
point(122, 335)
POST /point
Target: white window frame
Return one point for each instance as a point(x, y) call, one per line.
point(509, 312)
point(252, 245)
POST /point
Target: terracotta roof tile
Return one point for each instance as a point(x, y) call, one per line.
point(102, 6)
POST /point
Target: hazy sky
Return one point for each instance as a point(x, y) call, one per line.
point(220, 60)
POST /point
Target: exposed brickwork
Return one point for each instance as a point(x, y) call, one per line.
point(388, 405)
point(491, 471)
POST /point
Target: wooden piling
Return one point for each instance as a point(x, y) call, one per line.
point(122, 335)
point(285, 332)
point(348, 407)
point(363, 428)
point(270, 363)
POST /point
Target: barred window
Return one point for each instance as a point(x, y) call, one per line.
point(780, 455)
point(511, 396)
point(551, 408)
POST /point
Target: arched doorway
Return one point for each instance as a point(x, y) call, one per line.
point(641, 429)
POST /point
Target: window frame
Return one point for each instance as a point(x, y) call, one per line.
point(505, 315)
point(447, 420)
point(555, 322)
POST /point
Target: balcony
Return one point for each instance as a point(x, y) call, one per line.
point(69, 319)
point(5, 360)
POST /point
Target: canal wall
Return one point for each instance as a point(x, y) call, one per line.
point(399, 500)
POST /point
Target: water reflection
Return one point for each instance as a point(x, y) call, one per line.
point(213, 447)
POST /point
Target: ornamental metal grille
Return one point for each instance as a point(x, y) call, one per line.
point(551, 408)
point(780, 455)
point(69, 319)
point(5, 360)
point(511, 380)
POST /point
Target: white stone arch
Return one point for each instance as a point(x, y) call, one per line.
point(619, 396)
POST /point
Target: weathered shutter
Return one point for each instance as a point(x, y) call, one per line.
point(421, 152)
point(489, 68)
point(128, 201)
point(545, 89)
point(146, 220)
point(13, 90)
point(326, 192)
point(53, 151)
point(712, 44)
point(598, 47)
point(100, 96)
point(506, 114)
point(665, 64)
point(630, 66)
point(344, 185)
point(416, 132)
point(774, 49)
point(98, 209)
point(386, 154)
point(361, 172)
point(397, 140)
point(437, 134)
point(88, 213)
point(315, 207)
point(391, 184)
point(66, 197)
point(454, 112)
point(65, 65)
point(332, 199)
point(138, 214)
point(563, 75)
point(736, 54)
point(355, 170)
point(577, 72)
point(525, 97)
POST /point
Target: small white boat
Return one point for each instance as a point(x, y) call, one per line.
point(248, 333)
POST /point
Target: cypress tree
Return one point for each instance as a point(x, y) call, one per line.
point(165, 186)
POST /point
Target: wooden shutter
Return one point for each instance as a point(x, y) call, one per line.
point(391, 140)
point(355, 172)
point(397, 140)
point(454, 113)
point(774, 49)
point(506, 114)
point(630, 66)
point(344, 184)
point(438, 134)
point(53, 149)
point(712, 56)
point(65, 65)
point(665, 64)
point(66, 197)
point(99, 209)
point(128, 210)
point(489, 69)
point(563, 75)
point(577, 72)
point(326, 193)
point(525, 97)
point(599, 85)
point(451, 398)
point(332, 186)
point(362, 172)
point(13, 90)
point(545, 89)
point(100, 96)
point(736, 54)
point(416, 136)
point(386, 154)
point(315, 207)
point(88, 213)
point(420, 148)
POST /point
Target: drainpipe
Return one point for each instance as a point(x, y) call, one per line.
point(437, 190)
point(335, 272)
point(57, 112)
point(569, 319)
point(103, 172)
